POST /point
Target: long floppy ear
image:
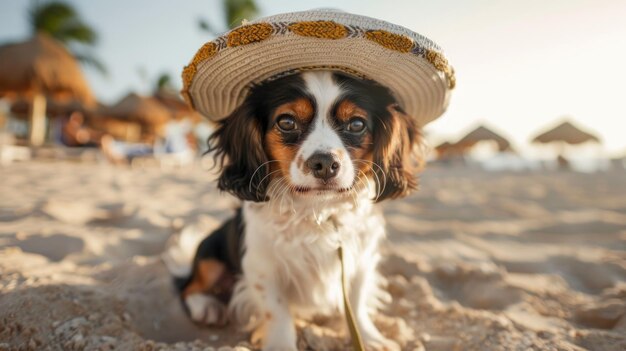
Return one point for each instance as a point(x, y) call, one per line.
point(396, 145)
point(238, 151)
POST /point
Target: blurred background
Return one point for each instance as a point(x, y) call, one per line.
point(523, 69)
point(516, 239)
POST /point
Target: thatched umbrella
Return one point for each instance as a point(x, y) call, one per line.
point(179, 108)
point(483, 133)
point(38, 69)
point(147, 111)
point(445, 149)
point(566, 132)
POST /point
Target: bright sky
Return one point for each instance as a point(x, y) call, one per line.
point(521, 65)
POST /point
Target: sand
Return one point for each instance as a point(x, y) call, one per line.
point(475, 261)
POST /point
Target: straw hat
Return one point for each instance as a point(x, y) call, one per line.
point(220, 75)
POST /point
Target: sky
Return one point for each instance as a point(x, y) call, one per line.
point(521, 66)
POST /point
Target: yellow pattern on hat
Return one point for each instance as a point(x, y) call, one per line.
point(441, 64)
point(319, 29)
point(188, 73)
point(390, 40)
point(250, 33)
point(206, 51)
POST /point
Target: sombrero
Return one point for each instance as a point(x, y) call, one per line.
point(411, 66)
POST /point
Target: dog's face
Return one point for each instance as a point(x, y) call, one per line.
point(317, 133)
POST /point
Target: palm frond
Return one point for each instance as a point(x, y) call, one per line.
point(205, 26)
point(62, 22)
point(50, 17)
point(91, 61)
point(78, 32)
point(164, 82)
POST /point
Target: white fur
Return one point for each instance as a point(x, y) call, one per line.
point(291, 265)
point(206, 309)
point(323, 137)
point(181, 248)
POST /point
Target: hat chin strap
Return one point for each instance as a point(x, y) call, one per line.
point(357, 342)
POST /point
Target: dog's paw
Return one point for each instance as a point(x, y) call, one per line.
point(279, 348)
point(206, 309)
point(380, 344)
point(279, 339)
point(286, 343)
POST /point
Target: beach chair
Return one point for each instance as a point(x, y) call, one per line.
point(10, 152)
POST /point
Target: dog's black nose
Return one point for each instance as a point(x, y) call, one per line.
point(323, 165)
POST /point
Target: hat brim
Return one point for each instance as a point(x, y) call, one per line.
point(219, 78)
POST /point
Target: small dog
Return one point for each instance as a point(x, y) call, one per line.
point(310, 155)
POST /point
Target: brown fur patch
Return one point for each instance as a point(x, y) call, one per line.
point(279, 152)
point(268, 315)
point(397, 154)
point(258, 286)
point(348, 109)
point(363, 156)
point(205, 275)
point(302, 110)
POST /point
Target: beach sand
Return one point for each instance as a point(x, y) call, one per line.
point(474, 260)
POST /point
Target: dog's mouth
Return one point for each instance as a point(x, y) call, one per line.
point(320, 190)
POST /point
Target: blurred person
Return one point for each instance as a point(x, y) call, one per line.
point(562, 162)
point(122, 152)
point(202, 131)
point(75, 133)
point(175, 139)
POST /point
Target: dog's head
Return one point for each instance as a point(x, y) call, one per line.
point(317, 133)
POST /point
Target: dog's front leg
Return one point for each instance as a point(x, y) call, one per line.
point(363, 285)
point(278, 332)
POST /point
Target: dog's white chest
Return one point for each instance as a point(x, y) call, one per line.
point(301, 252)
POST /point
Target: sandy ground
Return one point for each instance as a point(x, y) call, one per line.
point(475, 261)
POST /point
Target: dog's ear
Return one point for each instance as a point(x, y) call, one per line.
point(396, 151)
point(237, 147)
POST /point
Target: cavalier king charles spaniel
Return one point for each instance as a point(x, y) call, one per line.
point(310, 155)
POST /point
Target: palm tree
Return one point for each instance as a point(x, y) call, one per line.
point(234, 12)
point(163, 82)
point(61, 21)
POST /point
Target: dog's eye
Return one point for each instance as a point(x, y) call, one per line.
point(356, 125)
point(286, 123)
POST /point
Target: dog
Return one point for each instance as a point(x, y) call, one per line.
point(310, 154)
